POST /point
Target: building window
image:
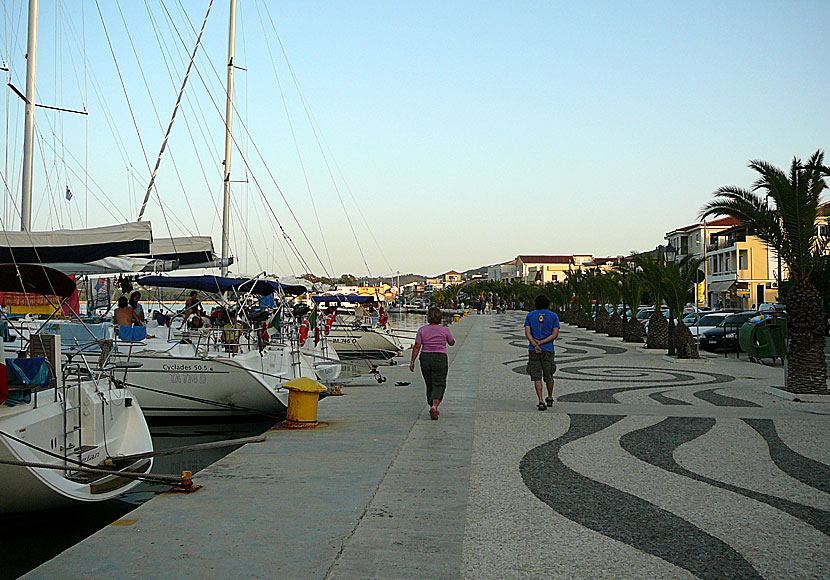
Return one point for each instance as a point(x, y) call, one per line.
point(743, 259)
point(822, 230)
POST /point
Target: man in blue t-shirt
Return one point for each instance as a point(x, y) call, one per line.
point(541, 329)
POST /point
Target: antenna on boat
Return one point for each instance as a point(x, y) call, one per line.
point(226, 206)
point(29, 124)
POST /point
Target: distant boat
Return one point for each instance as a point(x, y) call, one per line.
point(355, 336)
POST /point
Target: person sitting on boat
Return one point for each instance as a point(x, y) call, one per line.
point(192, 307)
point(124, 315)
point(134, 303)
point(231, 334)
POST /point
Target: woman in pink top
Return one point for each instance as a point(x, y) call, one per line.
point(431, 341)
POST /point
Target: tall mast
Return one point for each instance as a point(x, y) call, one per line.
point(29, 124)
point(226, 206)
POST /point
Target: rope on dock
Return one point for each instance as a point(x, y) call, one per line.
point(195, 447)
point(78, 465)
point(149, 477)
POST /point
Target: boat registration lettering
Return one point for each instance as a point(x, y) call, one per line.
point(90, 457)
point(188, 378)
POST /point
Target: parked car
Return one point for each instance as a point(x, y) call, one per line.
point(692, 317)
point(707, 321)
point(725, 335)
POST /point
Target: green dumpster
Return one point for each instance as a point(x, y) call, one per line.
point(764, 336)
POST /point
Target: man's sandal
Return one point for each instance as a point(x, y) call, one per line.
point(542, 406)
point(549, 401)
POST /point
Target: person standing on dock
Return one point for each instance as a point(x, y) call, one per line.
point(541, 329)
point(431, 341)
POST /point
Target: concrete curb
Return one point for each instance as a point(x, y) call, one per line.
point(797, 397)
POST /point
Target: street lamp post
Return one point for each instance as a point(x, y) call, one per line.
point(671, 255)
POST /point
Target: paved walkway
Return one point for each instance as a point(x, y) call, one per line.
point(644, 468)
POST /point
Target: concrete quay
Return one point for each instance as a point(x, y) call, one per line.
point(644, 468)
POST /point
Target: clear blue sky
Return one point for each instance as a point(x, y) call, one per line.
point(459, 133)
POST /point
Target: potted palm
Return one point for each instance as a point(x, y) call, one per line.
point(678, 289)
point(613, 294)
point(631, 288)
point(651, 272)
point(781, 209)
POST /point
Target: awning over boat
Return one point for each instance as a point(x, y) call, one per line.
point(220, 284)
point(188, 252)
point(75, 246)
point(721, 286)
point(353, 298)
point(35, 279)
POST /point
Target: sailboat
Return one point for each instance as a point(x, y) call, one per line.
point(214, 371)
point(203, 373)
point(66, 436)
point(353, 338)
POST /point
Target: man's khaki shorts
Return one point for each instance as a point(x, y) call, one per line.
point(541, 366)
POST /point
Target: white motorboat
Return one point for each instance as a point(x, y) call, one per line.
point(65, 437)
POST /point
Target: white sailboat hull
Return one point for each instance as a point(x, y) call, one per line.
point(178, 382)
point(110, 428)
point(373, 343)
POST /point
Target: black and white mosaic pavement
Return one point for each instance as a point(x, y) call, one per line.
point(736, 486)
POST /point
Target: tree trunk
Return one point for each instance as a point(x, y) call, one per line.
point(807, 368)
point(684, 342)
point(615, 325)
point(602, 320)
point(658, 331)
point(633, 331)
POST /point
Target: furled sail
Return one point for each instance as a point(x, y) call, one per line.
point(190, 252)
point(76, 246)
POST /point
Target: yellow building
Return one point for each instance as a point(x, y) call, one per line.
point(543, 269)
point(694, 240)
point(743, 270)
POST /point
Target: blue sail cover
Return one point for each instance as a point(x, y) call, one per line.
point(352, 298)
point(220, 284)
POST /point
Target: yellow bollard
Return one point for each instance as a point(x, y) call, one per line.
point(456, 318)
point(302, 401)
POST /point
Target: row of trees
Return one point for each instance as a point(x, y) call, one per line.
point(781, 208)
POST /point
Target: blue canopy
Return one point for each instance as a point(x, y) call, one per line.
point(353, 298)
point(219, 284)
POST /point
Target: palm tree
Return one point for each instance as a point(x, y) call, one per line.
point(613, 292)
point(631, 288)
point(678, 288)
point(651, 272)
point(781, 210)
point(600, 286)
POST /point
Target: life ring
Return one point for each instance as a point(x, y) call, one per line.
point(329, 322)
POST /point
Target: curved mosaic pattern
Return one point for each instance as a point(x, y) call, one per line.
point(623, 516)
point(711, 396)
point(806, 470)
point(648, 378)
point(656, 445)
point(664, 400)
